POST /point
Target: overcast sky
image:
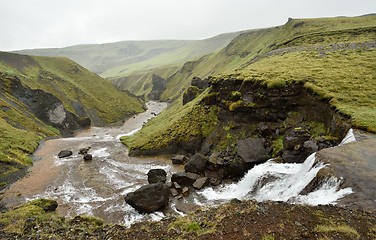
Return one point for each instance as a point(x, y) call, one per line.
point(59, 23)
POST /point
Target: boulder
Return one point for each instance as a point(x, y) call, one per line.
point(64, 153)
point(200, 183)
point(196, 164)
point(157, 175)
point(149, 198)
point(179, 159)
point(84, 151)
point(88, 157)
point(252, 150)
point(184, 178)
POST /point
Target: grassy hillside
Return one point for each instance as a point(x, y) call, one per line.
point(81, 92)
point(333, 57)
point(247, 46)
point(122, 58)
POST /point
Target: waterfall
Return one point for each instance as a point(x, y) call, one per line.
point(283, 182)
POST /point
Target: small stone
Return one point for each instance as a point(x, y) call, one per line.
point(179, 159)
point(64, 153)
point(200, 183)
point(185, 191)
point(88, 157)
point(174, 192)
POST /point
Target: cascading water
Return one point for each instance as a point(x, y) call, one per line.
point(283, 182)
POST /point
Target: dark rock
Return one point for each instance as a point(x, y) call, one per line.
point(149, 198)
point(199, 83)
point(310, 146)
point(64, 153)
point(179, 159)
point(196, 164)
point(200, 183)
point(190, 93)
point(252, 150)
point(294, 138)
point(157, 175)
point(88, 157)
point(235, 169)
point(159, 85)
point(184, 178)
point(215, 181)
point(84, 151)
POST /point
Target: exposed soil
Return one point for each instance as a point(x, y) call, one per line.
point(234, 220)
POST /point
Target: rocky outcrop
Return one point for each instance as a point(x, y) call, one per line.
point(149, 198)
point(355, 164)
point(159, 85)
point(48, 108)
point(196, 164)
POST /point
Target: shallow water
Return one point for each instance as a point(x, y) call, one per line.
point(94, 187)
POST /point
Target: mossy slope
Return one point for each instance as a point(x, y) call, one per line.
point(332, 57)
point(84, 94)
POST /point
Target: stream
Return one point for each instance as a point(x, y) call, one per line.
point(98, 187)
point(95, 187)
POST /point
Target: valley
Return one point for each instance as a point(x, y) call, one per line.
point(256, 117)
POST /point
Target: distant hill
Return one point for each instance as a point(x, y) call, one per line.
point(122, 58)
point(45, 96)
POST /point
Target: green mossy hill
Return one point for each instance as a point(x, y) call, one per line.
point(120, 59)
point(71, 83)
point(28, 84)
point(233, 220)
point(178, 127)
point(346, 77)
point(252, 44)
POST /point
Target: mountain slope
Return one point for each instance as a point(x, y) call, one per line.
point(248, 45)
point(41, 96)
point(329, 58)
point(122, 58)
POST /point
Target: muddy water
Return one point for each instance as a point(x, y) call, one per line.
point(94, 187)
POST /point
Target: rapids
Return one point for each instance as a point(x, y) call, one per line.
point(281, 182)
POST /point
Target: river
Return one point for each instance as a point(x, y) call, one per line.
point(98, 187)
point(94, 187)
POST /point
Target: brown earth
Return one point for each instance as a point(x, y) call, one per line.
point(234, 220)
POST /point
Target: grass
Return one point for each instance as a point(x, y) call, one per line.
point(342, 229)
point(178, 124)
point(345, 77)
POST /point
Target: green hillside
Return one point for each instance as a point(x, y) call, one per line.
point(122, 58)
point(253, 43)
point(32, 86)
point(332, 57)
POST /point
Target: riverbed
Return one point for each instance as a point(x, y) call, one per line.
point(95, 187)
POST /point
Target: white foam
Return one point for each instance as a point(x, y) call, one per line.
point(101, 153)
point(350, 137)
point(128, 134)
